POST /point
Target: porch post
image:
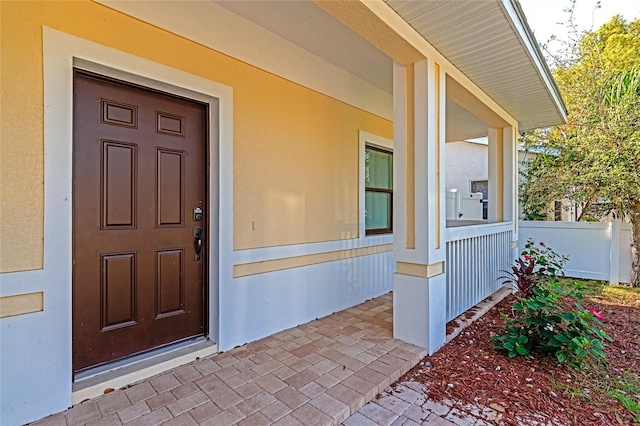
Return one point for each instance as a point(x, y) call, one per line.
point(510, 184)
point(503, 180)
point(496, 175)
point(419, 284)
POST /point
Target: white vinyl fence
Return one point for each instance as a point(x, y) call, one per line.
point(476, 255)
point(600, 251)
point(464, 205)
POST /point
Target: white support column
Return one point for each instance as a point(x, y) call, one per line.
point(496, 175)
point(509, 170)
point(510, 183)
point(419, 285)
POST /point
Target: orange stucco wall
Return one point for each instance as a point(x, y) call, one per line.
point(295, 150)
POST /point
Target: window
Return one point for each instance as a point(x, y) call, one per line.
point(557, 210)
point(482, 186)
point(378, 184)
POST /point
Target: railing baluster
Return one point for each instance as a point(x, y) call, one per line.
point(474, 260)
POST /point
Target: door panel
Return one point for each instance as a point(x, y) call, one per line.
point(139, 170)
point(169, 282)
point(170, 188)
point(118, 183)
point(118, 282)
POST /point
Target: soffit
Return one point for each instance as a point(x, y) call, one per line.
point(489, 41)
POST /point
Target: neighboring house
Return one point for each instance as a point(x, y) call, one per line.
point(467, 166)
point(467, 170)
point(466, 175)
point(208, 173)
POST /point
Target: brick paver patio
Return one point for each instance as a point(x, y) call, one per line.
point(406, 404)
point(318, 373)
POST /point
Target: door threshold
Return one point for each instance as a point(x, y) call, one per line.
point(97, 381)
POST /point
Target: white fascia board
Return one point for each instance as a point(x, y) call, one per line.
point(519, 22)
point(221, 30)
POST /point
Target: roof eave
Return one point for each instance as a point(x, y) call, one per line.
point(519, 22)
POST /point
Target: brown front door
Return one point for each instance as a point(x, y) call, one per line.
point(138, 175)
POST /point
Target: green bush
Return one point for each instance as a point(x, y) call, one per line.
point(548, 262)
point(538, 262)
point(552, 321)
point(547, 317)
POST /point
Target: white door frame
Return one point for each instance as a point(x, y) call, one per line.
point(62, 53)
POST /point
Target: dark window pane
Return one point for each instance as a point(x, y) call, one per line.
point(481, 186)
point(557, 210)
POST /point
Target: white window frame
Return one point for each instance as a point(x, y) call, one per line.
point(366, 138)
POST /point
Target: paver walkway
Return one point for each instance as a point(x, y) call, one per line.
point(318, 373)
point(405, 404)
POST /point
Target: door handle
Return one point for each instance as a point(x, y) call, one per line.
point(197, 240)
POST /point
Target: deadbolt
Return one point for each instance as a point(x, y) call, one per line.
point(197, 214)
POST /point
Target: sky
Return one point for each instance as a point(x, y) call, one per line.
point(543, 15)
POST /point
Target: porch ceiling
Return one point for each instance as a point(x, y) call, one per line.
point(313, 29)
point(488, 40)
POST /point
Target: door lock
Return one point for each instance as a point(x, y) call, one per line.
point(197, 214)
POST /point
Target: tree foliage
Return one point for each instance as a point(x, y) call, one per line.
point(594, 159)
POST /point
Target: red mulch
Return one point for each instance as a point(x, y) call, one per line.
point(470, 371)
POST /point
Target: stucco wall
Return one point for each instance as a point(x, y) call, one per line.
point(465, 161)
point(295, 150)
point(295, 179)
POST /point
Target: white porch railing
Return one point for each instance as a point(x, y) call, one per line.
point(476, 257)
